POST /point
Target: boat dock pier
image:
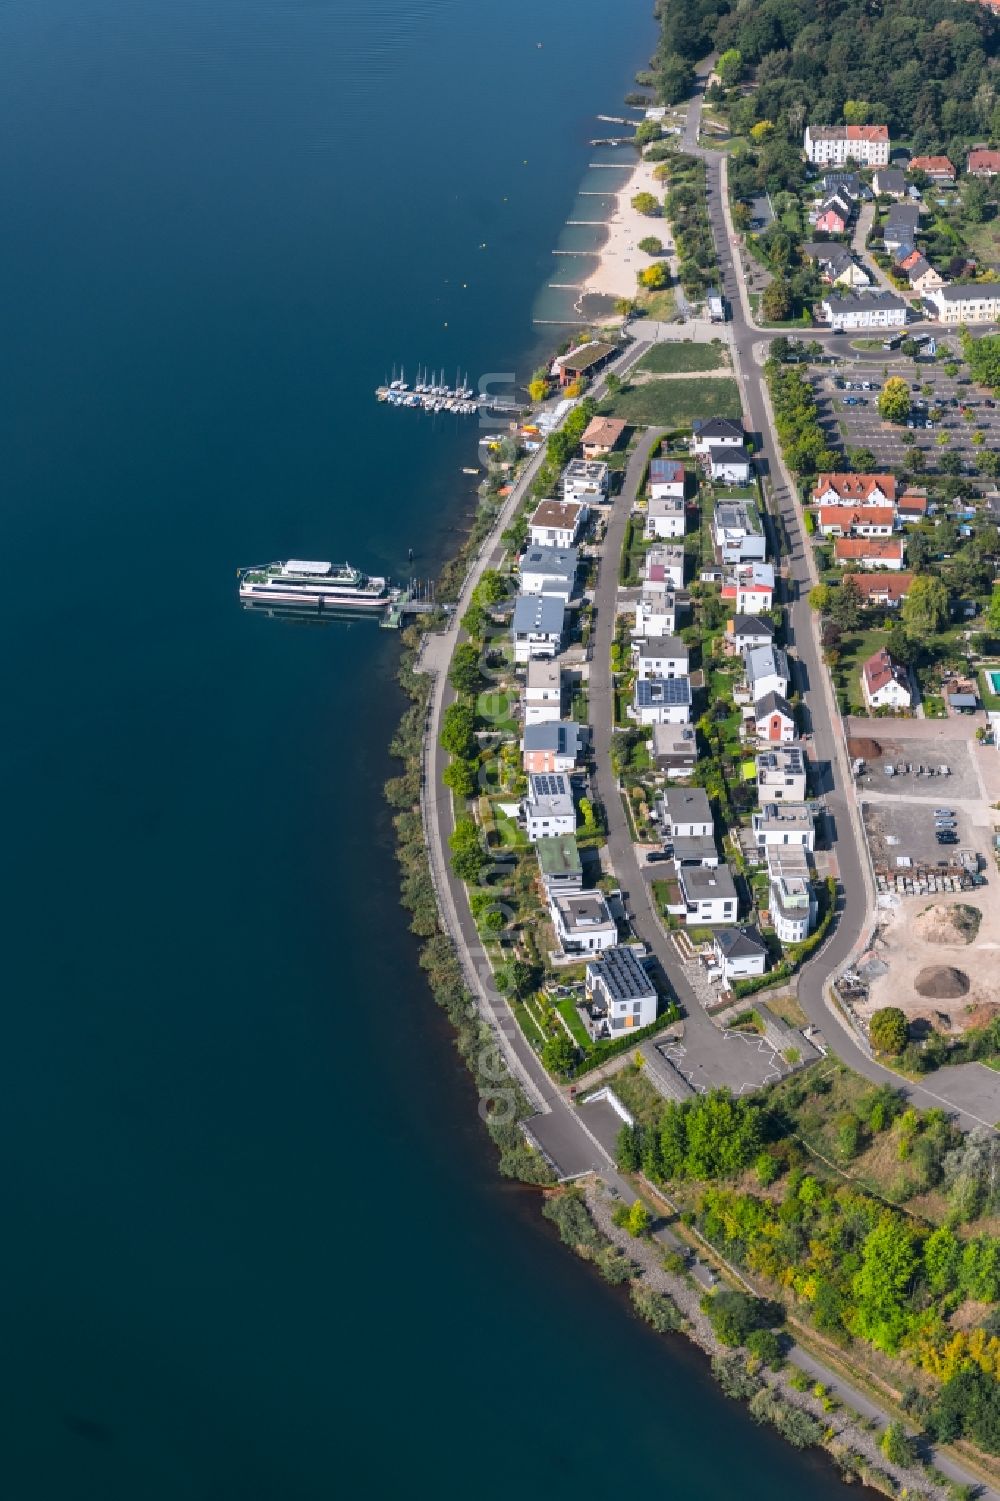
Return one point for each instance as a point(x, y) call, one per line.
point(429, 393)
point(416, 599)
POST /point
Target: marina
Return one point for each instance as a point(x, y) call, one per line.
point(431, 393)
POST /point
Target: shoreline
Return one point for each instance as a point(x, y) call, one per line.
point(619, 259)
point(614, 276)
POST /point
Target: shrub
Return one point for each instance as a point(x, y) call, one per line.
point(888, 1030)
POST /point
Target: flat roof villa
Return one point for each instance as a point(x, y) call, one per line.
point(621, 996)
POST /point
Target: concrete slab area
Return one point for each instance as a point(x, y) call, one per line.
point(740, 1063)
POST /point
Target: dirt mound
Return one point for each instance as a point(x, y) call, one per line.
point(860, 747)
point(941, 923)
point(941, 982)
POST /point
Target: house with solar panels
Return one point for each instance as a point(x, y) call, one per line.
point(662, 701)
point(621, 997)
point(548, 808)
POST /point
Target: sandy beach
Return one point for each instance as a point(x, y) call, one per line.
point(621, 258)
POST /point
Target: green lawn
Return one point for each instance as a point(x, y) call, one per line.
point(661, 306)
point(571, 1017)
point(510, 836)
point(990, 699)
point(675, 403)
point(494, 708)
point(668, 358)
point(855, 648)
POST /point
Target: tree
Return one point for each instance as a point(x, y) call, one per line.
point(894, 400)
point(776, 301)
point(559, 1054)
point(638, 1221)
point(735, 1315)
point(538, 389)
point(651, 244)
point(767, 1168)
point(647, 131)
point(925, 608)
point(765, 1346)
point(820, 598)
point(492, 587)
point(460, 776)
point(514, 978)
point(897, 1446)
point(646, 203)
point(654, 278)
point(862, 460)
point(846, 604)
point(889, 1261)
point(901, 645)
point(468, 858)
point(888, 1030)
point(729, 67)
point(458, 729)
point(465, 674)
point(628, 1152)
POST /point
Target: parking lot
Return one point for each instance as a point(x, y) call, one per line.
point(960, 782)
point(907, 830)
point(849, 414)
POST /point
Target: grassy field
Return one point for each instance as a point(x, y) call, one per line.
point(662, 306)
point(674, 403)
point(669, 358)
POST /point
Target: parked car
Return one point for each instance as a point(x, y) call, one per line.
point(944, 813)
point(947, 837)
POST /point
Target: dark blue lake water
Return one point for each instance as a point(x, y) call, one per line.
point(253, 1245)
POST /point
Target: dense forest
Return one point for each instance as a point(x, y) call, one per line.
point(927, 68)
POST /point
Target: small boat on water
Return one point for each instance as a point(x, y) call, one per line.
point(311, 585)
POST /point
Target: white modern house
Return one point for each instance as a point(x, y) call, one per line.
point(656, 611)
point(548, 808)
point(665, 564)
point(774, 720)
point(665, 517)
point(557, 523)
point(662, 701)
point(559, 863)
point(767, 671)
point(739, 954)
point(716, 432)
point(746, 632)
point(966, 302)
point(585, 479)
point(792, 901)
point(749, 588)
point(666, 479)
point(738, 532)
point(549, 570)
point(833, 145)
point(784, 823)
point(686, 812)
point(885, 683)
point(729, 465)
point(543, 692)
point(781, 775)
point(621, 997)
point(537, 626)
point(582, 922)
point(661, 657)
point(708, 894)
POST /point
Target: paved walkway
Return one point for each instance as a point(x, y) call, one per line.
point(859, 240)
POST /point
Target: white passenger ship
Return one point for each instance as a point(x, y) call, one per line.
point(319, 586)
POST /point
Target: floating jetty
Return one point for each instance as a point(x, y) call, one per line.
point(430, 393)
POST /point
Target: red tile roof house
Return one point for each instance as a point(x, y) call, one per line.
point(854, 490)
point(857, 521)
point(937, 168)
point(885, 684)
point(886, 589)
point(982, 162)
point(912, 505)
point(911, 259)
point(869, 552)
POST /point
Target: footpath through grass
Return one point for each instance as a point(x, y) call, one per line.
point(674, 403)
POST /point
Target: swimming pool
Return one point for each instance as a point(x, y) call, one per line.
point(993, 678)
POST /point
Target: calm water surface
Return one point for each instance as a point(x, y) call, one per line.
point(253, 1243)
